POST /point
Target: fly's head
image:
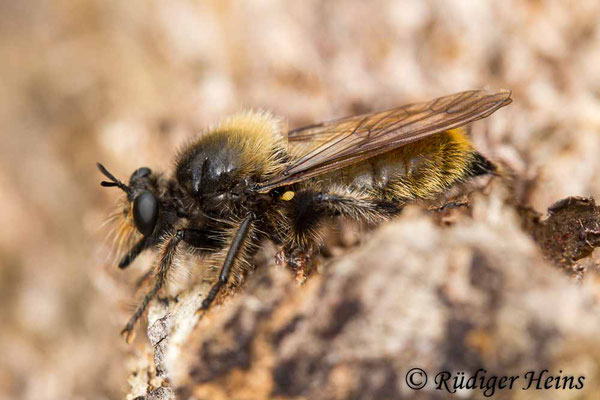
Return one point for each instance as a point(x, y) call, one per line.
point(140, 211)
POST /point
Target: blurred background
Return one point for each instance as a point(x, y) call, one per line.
point(127, 82)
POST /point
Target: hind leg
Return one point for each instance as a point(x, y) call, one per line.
point(308, 209)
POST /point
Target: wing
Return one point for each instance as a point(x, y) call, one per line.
point(335, 144)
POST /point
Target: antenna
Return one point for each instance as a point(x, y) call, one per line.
point(113, 181)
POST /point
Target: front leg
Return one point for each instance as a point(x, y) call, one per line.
point(135, 251)
point(164, 266)
point(201, 239)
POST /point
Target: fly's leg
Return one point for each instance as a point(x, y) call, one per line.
point(357, 206)
point(298, 260)
point(451, 205)
point(141, 281)
point(234, 250)
point(195, 237)
point(133, 253)
point(309, 208)
point(164, 265)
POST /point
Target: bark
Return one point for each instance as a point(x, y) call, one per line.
point(477, 295)
point(569, 233)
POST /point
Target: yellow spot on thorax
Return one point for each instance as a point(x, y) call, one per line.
point(287, 196)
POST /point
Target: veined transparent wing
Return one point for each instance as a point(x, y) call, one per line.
point(335, 144)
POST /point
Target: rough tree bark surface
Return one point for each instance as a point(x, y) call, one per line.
point(476, 295)
point(570, 233)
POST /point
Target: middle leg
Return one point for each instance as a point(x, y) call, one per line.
point(235, 248)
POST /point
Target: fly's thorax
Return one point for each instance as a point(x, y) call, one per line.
point(245, 148)
point(209, 166)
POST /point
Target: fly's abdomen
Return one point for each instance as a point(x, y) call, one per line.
point(421, 170)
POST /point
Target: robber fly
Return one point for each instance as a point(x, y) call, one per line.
point(246, 180)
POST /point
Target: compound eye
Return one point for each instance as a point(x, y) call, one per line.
point(145, 212)
point(139, 173)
